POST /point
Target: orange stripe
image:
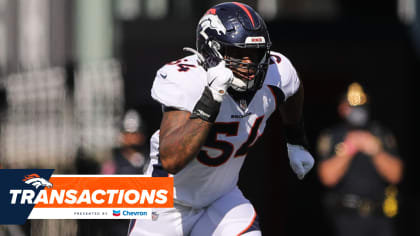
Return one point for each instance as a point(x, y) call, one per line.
point(211, 11)
point(246, 11)
point(28, 177)
point(249, 226)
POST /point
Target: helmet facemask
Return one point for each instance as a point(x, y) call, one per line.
point(249, 66)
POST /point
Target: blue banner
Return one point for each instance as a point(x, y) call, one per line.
point(18, 191)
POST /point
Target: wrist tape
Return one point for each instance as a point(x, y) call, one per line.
point(206, 108)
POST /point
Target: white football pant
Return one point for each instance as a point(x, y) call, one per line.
point(230, 215)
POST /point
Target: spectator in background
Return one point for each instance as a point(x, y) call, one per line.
point(360, 167)
point(130, 157)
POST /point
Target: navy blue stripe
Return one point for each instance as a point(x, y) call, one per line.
point(131, 226)
point(158, 170)
point(255, 225)
point(278, 94)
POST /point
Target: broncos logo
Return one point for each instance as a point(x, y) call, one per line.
point(211, 21)
point(37, 181)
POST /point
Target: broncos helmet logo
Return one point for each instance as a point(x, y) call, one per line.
point(211, 21)
point(37, 181)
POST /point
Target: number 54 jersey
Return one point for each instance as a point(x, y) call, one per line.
point(215, 170)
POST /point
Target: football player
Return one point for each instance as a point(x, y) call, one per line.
point(216, 103)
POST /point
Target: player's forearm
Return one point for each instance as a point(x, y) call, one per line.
point(183, 133)
point(180, 146)
point(293, 125)
point(388, 166)
point(291, 110)
point(332, 170)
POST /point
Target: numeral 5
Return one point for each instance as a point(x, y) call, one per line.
point(226, 148)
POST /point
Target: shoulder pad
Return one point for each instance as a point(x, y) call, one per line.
point(282, 74)
point(180, 83)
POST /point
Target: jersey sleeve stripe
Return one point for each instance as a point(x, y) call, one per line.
point(158, 170)
point(254, 225)
point(131, 226)
point(277, 94)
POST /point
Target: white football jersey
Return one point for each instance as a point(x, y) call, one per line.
point(215, 170)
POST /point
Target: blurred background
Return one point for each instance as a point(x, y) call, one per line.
point(69, 69)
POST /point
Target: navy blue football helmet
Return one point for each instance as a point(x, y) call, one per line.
point(231, 32)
